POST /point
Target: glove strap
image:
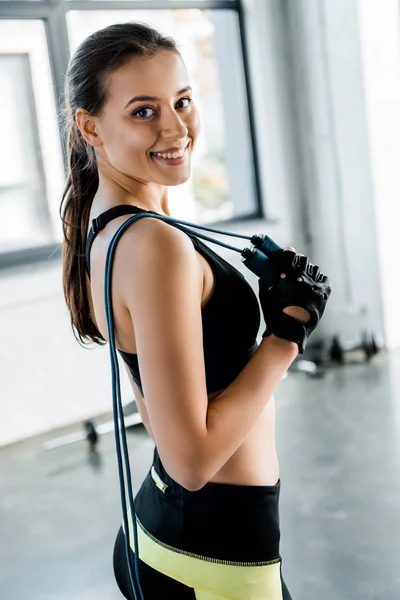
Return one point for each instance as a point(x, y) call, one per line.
point(288, 328)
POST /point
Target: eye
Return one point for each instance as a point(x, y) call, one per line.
point(141, 110)
point(189, 100)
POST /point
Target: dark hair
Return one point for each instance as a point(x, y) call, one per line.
point(86, 87)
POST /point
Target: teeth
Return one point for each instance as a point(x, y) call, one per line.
point(171, 154)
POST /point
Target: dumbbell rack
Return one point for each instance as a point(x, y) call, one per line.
point(90, 431)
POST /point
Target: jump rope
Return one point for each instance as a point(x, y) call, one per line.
point(260, 260)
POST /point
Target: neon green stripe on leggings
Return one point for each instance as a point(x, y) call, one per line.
point(209, 578)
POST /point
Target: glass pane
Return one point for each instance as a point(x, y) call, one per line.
point(222, 182)
point(31, 170)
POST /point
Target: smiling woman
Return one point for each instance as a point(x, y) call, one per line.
point(185, 322)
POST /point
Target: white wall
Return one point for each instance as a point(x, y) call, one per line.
point(346, 88)
point(333, 142)
point(380, 43)
point(46, 379)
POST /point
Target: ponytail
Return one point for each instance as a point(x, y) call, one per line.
point(81, 186)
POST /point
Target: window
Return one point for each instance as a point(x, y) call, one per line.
point(223, 181)
point(31, 170)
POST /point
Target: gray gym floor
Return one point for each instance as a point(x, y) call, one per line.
point(338, 440)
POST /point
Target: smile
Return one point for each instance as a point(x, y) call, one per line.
point(171, 158)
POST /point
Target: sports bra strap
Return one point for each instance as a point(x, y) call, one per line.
point(101, 221)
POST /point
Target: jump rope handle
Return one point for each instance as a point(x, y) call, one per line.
point(261, 260)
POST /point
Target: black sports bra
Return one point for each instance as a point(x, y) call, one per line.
point(231, 317)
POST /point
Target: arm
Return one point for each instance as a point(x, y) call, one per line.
point(139, 403)
point(162, 289)
point(237, 409)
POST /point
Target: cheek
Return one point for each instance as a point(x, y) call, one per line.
point(132, 138)
point(126, 143)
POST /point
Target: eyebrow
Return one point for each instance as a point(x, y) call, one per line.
point(154, 98)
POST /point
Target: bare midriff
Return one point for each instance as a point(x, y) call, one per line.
point(255, 462)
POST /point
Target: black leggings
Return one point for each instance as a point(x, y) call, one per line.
point(219, 542)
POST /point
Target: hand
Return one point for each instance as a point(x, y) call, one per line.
point(296, 312)
point(294, 305)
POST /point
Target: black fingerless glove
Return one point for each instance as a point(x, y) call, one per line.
point(311, 293)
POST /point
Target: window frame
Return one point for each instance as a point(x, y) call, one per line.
point(54, 15)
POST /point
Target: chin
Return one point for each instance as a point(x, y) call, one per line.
point(178, 181)
point(173, 179)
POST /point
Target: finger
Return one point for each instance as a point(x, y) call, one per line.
point(311, 269)
point(315, 274)
point(286, 260)
point(301, 262)
point(320, 278)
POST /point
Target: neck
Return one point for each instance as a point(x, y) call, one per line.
point(117, 188)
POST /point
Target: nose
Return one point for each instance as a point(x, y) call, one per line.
point(173, 126)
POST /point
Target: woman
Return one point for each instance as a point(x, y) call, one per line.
point(207, 512)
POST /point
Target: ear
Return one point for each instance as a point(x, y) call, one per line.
point(87, 126)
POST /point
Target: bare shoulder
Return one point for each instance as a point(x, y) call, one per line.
point(154, 248)
point(154, 229)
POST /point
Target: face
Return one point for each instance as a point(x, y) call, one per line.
point(132, 128)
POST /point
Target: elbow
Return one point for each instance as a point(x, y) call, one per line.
point(197, 487)
point(184, 476)
point(194, 481)
point(185, 467)
point(190, 483)
point(189, 479)
point(193, 486)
